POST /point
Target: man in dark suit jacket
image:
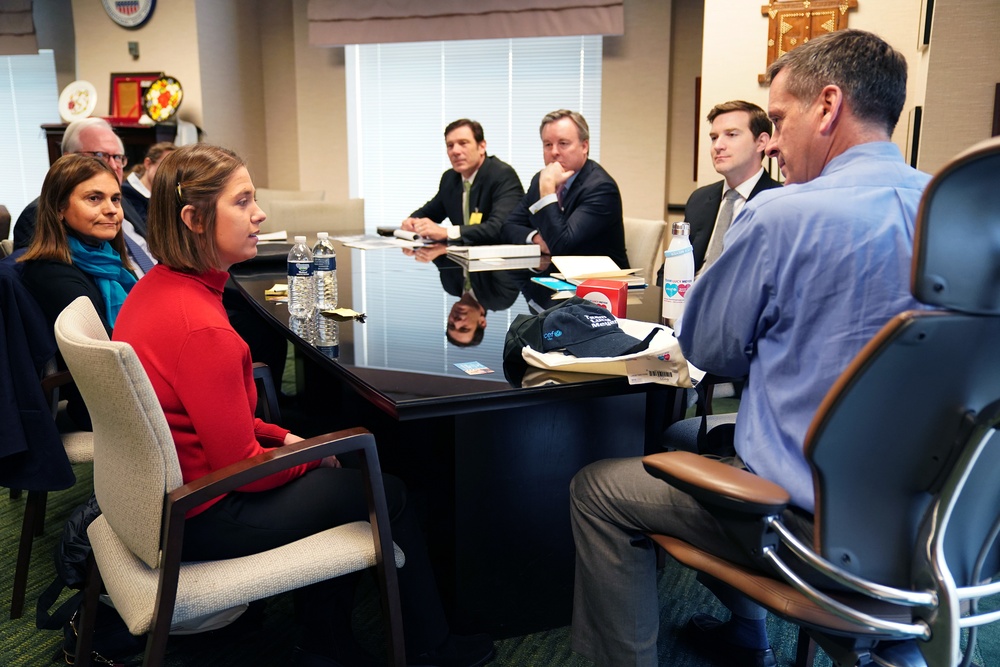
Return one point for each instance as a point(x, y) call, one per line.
point(573, 206)
point(479, 293)
point(494, 190)
point(740, 131)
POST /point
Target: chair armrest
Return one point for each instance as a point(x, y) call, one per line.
point(266, 463)
point(262, 375)
point(50, 387)
point(55, 380)
point(717, 484)
point(190, 495)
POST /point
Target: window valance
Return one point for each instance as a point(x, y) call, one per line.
point(17, 29)
point(338, 22)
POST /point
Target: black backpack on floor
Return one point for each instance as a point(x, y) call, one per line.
point(112, 639)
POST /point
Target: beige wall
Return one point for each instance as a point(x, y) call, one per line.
point(634, 107)
point(734, 53)
point(232, 88)
point(257, 87)
point(685, 68)
point(962, 72)
point(54, 28)
point(168, 43)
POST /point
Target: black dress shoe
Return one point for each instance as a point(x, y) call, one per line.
point(457, 651)
point(704, 632)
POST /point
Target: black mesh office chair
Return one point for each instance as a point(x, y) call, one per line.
point(904, 454)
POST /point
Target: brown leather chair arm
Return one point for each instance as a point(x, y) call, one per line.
point(713, 483)
point(241, 473)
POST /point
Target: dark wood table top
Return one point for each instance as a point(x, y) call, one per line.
point(400, 358)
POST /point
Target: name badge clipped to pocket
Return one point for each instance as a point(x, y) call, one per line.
point(475, 218)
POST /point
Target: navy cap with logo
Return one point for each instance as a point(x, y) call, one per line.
point(587, 330)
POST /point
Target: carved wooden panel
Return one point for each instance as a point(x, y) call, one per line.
point(794, 22)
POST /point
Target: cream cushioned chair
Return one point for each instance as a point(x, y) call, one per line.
point(267, 196)
point(346, 216)
point(643, 243)
point(137, 479)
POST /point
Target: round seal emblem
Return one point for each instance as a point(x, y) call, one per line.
point(129, 13)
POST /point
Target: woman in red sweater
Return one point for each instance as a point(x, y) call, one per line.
point(203, 219)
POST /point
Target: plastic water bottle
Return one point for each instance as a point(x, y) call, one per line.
point(303, 327)
point(325, 272)
point(678, 271)
point(327, 339)
point(301, 290)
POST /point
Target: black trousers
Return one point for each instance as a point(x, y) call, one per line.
point(247, 523)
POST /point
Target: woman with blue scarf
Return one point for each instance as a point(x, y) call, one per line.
point(78, 248)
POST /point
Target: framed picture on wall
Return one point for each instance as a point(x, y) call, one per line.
point(127, 90)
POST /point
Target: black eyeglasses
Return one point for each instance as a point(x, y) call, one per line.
point(107, 157)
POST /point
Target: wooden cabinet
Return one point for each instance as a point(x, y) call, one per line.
point(136, 138)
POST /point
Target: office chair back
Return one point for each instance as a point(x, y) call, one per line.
point(135, 462)
point(267, 196)
point(644, 244)
point(904, 453)
point(903, 448)
point(346, 216)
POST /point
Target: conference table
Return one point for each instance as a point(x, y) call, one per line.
point(486, 460)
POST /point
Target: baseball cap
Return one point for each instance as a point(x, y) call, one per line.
point(587, 330)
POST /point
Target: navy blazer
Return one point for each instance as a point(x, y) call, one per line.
point(702, 209)
point(32, 456)
point(496, 190)
point(589, 222)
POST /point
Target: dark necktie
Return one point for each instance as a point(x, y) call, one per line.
point(144, 261)
point(721, 227)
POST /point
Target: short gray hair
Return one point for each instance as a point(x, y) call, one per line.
point(871, 74)
point(71, 137)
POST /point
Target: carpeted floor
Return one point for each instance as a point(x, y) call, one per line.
point(270, 642)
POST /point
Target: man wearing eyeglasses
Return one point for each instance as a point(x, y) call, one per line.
point(94, 136)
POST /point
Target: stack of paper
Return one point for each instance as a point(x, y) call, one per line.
point(577, 268)
point(495, 251)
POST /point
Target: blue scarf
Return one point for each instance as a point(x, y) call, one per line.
point(104, 265)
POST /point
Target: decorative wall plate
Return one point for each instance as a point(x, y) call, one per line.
point(162, 98)
point(77, 101)
point(129, 13)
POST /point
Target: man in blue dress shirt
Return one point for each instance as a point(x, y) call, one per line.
point(809, 273)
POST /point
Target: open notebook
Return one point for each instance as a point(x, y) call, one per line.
point(577, 268)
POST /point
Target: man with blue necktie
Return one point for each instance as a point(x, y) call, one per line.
point(573, 206)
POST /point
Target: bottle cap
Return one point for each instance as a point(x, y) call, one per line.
point(300, 239)
point(322, 235)
point(681, 228)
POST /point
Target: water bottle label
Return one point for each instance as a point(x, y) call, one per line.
point(678, 252)
point(329, 351)
point(325, 263)
point(299, 269)
point(675, 290)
